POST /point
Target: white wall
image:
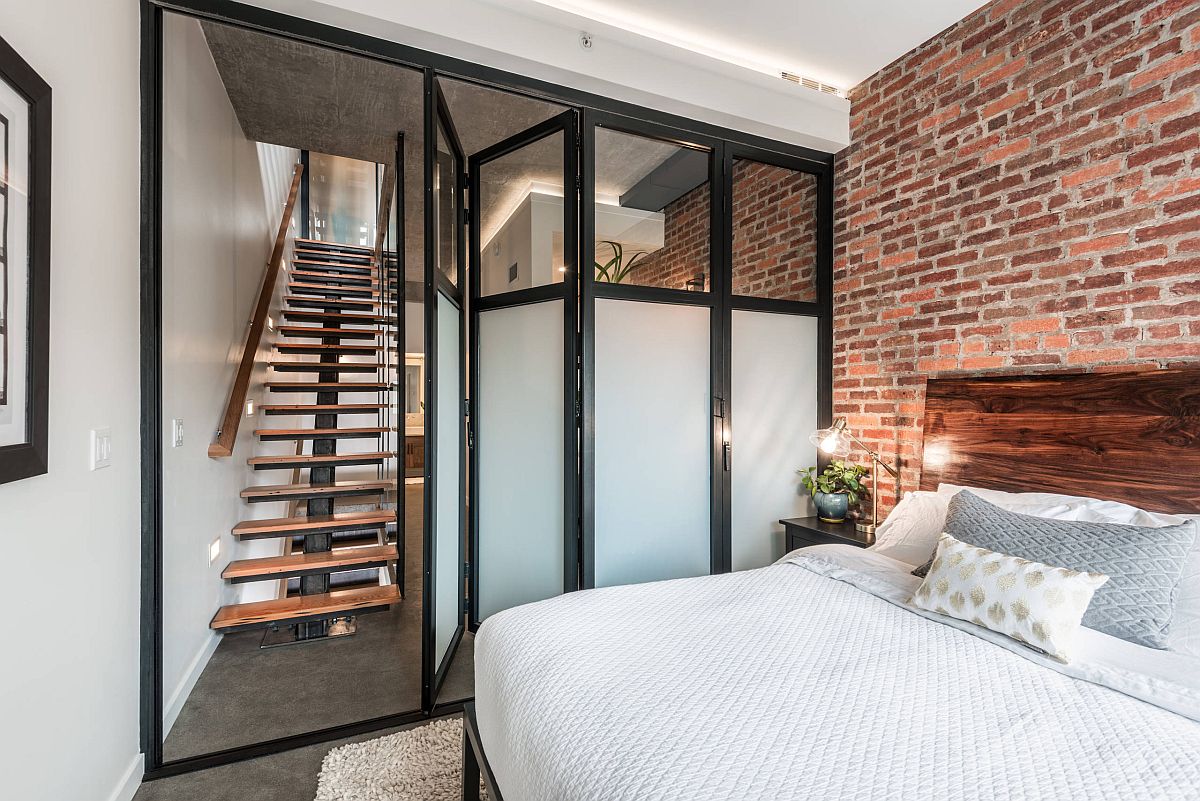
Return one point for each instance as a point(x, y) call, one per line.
point(222, 196)
point(534, 39)
point(69, 675)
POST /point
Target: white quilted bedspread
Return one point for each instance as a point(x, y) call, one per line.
point(783, 683)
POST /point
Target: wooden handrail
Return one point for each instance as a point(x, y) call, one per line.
point(222, 446)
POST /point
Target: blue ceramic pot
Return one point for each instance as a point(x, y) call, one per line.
point(832, 507)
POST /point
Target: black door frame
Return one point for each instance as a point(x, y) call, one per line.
point(821, 308)
point(437, 118)
point(327, 36)
point(711, 298)
point(567, 125)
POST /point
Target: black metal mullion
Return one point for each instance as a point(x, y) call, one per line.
point(587, 339)
point(429, 503)
point(400, 338)
point(571, 190)
point(720, 251)
point(151, 639)
point(473, 281)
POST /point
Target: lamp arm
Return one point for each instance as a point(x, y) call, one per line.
point(872, 454)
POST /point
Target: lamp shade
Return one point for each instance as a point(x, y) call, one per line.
point(832, 441)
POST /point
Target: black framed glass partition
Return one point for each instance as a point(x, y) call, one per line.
point(779, 298)
point(523, 361)
point(574, 284)
point(651, 355)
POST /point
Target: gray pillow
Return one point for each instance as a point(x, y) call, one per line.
point(1143, 564)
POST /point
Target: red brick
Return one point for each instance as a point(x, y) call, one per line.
point(1038, 164)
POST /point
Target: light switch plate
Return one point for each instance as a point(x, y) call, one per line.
point(177, 432)
point(101, 450)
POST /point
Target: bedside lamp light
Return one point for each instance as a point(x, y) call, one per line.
point(836, 441)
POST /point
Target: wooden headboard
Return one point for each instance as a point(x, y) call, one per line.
point(1129, 436)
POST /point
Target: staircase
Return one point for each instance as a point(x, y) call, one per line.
point(337, 549)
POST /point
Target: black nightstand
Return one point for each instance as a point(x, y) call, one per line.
point(801, 532)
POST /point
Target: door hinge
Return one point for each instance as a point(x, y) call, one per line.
point(466, 407)
point(465, 215)
point(718, 407)
point(727, 455)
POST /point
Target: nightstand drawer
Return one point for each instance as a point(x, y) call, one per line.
point(801, 532)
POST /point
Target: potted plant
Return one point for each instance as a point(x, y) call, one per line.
point(835, 489)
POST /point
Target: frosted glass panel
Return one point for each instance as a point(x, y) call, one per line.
point(774, 408)
point(448, 533)
point(653, 441)
point(519, 440)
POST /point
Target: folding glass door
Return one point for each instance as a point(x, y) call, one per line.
point(523, 212)
point(778, 303)
point(652, 458)
point(445, 394)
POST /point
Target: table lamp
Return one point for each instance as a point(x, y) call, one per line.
point(835, 441)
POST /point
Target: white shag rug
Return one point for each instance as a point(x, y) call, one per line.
point(418, 764)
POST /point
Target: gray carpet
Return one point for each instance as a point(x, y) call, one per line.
point(247, 695)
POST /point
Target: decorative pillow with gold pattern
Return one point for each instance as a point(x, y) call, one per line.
point(1033, 603)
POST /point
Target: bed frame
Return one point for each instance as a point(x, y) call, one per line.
point(475, 764)
point(1128, 436)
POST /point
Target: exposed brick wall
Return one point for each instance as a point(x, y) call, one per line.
point(774, 236)
point(685, 244)
point(774, 232)
point(1022, 192)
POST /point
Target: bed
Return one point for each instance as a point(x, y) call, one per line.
point(817, 677)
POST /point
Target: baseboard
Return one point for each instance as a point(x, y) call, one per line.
point(179, 697)
point(130, 781)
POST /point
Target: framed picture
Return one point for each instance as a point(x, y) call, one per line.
point(24, 267)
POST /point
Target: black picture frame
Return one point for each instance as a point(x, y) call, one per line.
point(29, 458)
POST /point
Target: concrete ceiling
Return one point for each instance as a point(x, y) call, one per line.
point(303, 96)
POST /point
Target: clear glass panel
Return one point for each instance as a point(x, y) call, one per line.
point(774, 232)
point(652, 212)
point(448, 535)
point(773, 401)
point(521, 218)
point(229, 151)
point(653, 460)
point(446, 205)
point(519, 440)
point(342, 199)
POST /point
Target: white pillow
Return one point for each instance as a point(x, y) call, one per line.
point(1037, 604)
point(910, 532)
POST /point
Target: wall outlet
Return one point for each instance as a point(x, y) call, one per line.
point(177, 432)
point(214, 550)
point(101, 448)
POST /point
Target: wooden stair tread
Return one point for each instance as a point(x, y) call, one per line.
point(286, 526)
point(322, 289)
point(317, 432)
point(325, 243)
point(325, 459)
point(323, 408)
point(330, 348)
point(303, 315)
point(320, 562)
point(295, 300)
point(304, 606)
point(317, 490)
point(353, 280)
point(310, 331)
point(317, 367)
point(329, 386)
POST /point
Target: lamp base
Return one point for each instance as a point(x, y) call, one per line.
point(866, 528)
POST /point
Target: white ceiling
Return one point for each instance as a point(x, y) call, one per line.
point(837, 42)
